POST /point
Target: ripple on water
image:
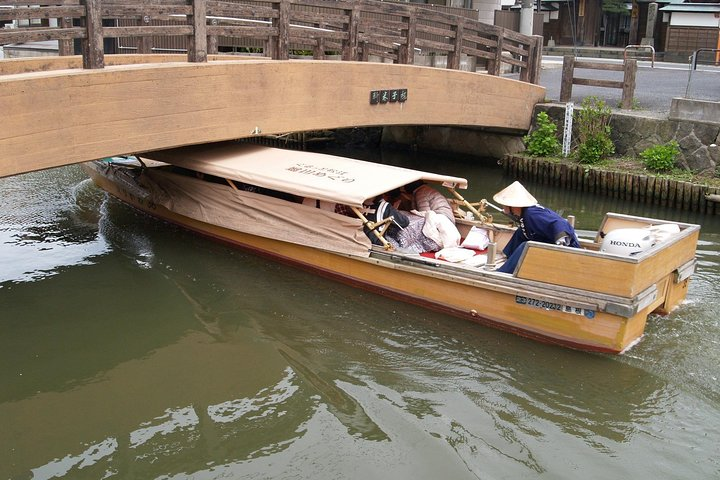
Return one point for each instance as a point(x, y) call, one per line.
point(52, 224)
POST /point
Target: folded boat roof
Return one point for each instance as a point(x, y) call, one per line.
point(306, 174)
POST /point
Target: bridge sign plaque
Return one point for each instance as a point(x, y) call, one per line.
point(388, 96)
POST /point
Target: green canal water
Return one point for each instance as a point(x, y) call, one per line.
point(132, 349)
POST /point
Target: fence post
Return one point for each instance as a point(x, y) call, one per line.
point(628, 90)
point(534, 61)
point(197, 51)
point(93, 54)
point(66, 47)
point(453, 61)
point(494, 66)
point(364, 49)
point(567, 78)
point(319, 49)
point(406, 53)
point(350, 46)
point(282, 23)
point(145, 44)
point(212, 40)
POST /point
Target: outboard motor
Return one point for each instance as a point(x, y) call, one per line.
point(627, 241)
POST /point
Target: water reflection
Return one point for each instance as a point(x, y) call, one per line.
point(65, 465)
point(414, 362)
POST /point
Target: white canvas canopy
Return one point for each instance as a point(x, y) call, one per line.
point(311, 175)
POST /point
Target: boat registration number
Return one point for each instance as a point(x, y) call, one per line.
point(545, 305)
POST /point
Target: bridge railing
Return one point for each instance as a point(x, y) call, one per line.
point(356, 29)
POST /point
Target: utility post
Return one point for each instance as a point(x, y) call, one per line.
point(634, 21)
point(526, 17)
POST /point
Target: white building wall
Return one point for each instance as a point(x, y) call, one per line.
point(694, 19)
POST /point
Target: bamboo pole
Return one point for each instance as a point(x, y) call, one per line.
point(479, 213)
point(373, 227)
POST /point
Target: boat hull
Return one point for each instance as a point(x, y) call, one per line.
point(527, 308)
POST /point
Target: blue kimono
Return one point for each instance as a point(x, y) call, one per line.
point(538, 224)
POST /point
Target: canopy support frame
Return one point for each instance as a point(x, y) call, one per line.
point(477, 208)
point(375, 226)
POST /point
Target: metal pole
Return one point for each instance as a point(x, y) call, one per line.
point(567, 132)
point(693, 64)
point(491, 252)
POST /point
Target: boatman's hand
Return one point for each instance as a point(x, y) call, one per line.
point(563, 241)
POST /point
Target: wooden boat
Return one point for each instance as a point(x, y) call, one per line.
point(588, 298)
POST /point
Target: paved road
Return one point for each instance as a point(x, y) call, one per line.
point(655, 87)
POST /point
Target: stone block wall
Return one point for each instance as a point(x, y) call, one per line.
point(634, 132)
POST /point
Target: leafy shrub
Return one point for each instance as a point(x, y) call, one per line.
point(661, 158)
point(595, 149)
point(543, 142)
point(593, 123)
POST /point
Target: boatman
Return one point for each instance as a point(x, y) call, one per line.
point(535, 222)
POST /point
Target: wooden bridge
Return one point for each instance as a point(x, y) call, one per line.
point(74, 108)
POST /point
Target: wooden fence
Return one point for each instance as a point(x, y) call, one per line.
point(627, 84)
point(639, 188)
point(357, 29)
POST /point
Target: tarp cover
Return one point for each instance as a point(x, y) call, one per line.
point(255, 214)
point(312, 175)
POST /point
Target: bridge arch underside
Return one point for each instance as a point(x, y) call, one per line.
point(60, 117)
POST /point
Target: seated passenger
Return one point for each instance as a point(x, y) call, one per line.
point(411, 239)
point(425, 197)
point(418, 231)
point(378, 211)
point(535, 222)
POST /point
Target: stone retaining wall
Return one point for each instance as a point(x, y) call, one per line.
point(634, 132)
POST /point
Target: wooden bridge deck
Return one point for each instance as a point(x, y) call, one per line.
point(57, 117)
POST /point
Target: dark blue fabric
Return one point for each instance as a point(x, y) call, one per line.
point(538, 224)
point(512, 261)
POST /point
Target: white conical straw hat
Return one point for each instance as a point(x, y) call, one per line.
point(515, 195)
